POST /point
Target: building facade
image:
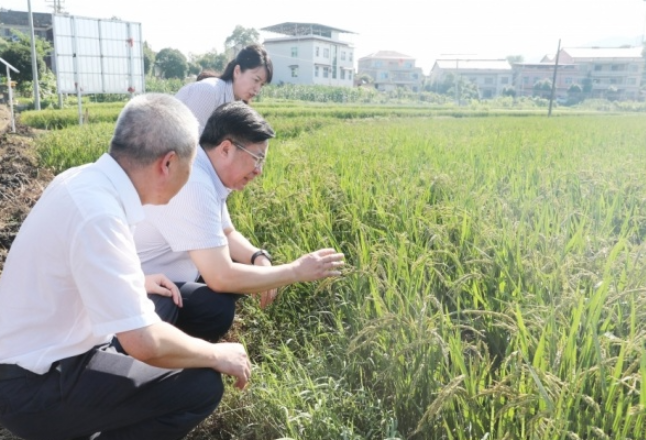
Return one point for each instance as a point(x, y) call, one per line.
point(528, 75)
point(491, 77)
point(613, 73)
point(390, 70)
point(19, 21)
point(310, 53)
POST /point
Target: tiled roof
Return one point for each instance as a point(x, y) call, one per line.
point(473, 64)
point(385, 54)
point(604, 52)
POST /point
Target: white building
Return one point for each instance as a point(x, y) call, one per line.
point(490, 76)
point(613, 72)
point(310, 53)
point(389, 70)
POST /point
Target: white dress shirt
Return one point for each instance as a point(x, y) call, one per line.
point(202, 97)
point(194, 219)
point(72, 278)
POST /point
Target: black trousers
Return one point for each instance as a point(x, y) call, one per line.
point(107, 391)
point(205, 314)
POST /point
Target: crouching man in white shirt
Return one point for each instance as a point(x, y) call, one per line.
point(193, 235)
point(72, 286)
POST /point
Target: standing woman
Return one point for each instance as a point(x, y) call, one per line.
point(242, 80)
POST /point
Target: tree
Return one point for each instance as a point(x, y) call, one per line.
point(509, 91)
point(241, 37)
point(575, 93)
point(18, 54)
point(543, 88)
point(514, 59)
point(207, 61)
point(149, 58)
point(364, 79)
point(171, 63)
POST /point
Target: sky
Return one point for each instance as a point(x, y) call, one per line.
point(424, 30)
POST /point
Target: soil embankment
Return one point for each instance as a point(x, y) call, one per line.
point(21, 183)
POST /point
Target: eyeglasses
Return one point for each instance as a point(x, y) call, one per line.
point(260, 160)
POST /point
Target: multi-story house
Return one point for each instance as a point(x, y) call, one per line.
point(528, 75)
point(491, 77)
point(611, 72)
point(390, 70)
point(11, 21)
point(310, 53)
point(19, 21)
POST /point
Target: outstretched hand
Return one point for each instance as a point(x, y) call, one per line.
point(319, 264)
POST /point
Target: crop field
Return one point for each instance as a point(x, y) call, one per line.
point(495, 280)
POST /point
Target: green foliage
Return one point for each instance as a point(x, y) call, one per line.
point(493, 285)
point(543, 88)
point(171, 63)
point(149, 58)
point(163, 85)
point(18, 54)
point(76, 145)
point(207, 61)
point(69, 117)
point(242, 37)
point(456, 86)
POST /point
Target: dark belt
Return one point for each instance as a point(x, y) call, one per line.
point(13, 371)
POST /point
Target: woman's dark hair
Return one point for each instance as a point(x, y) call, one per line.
point(250, 57)
point(206, 73)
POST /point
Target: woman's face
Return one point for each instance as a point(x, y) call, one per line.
point(247, 84)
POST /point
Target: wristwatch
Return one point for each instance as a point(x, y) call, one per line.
point(258, 253)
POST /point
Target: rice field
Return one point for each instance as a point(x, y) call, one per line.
point(495, 285)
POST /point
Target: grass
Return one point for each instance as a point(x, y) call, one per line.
point(494, 286)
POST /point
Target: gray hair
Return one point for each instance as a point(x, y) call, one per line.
point(152, 125)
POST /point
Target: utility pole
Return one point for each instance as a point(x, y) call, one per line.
point(556, 66)
point(34, 65)
point(57, 5)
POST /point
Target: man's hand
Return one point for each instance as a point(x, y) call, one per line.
point(320, 264)
point(159, 284)
point(231, 359)
point(268, 296)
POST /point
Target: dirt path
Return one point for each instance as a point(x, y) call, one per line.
point(21, 183)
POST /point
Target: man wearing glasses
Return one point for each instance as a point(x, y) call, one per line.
point(193, 237)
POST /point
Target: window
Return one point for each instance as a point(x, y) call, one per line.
point(326, 72)
point(631, 81)
point(316, 71)
point(295, 52)
point(350, 56)
point(618, 67)
point(316, 51)
point(525, 79)
point(342, 74)
point(598, 67)
point(488, 80)
point(568, 80)
point(334, 72)
point(294, 70)
point(633, 67)
point(383, 75)
point(326, 52)
point(349, 74)
point(342, 55)
point(504, 80)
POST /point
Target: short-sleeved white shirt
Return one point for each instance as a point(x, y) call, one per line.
point(72, 278)
point(204, 96)
point(194, 219)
